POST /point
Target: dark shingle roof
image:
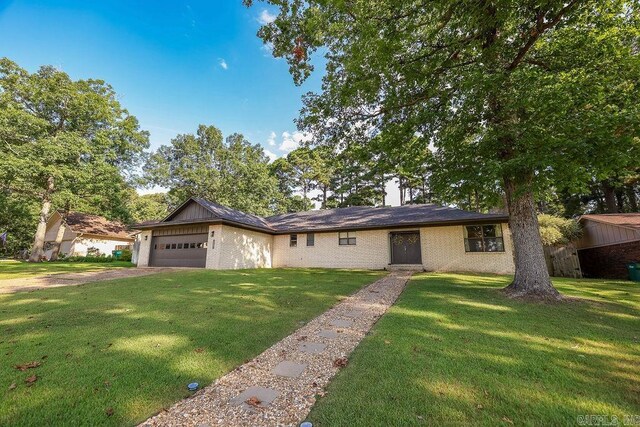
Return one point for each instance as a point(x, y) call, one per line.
point(370, 217)
point(233, 215)
point(352, 218)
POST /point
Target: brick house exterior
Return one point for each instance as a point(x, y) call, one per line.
point(359, 237)
point(609, 242)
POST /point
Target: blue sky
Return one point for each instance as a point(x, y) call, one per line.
point(174, 64)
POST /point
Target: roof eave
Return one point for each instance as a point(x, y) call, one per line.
point(444, 223)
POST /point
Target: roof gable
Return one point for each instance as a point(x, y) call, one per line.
point(196, 209)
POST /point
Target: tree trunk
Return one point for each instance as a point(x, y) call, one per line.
point(37, 251)
point(56, 246)
point(324, 197)
point(610, 198)
point(531, 278)
point(633, 201)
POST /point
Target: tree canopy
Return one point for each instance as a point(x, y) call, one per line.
point(232, 172)
point(67, 143)
point(516, 98)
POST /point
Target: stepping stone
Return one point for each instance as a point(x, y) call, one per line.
point(312, 347)
point(263, 394)
point(356, 312)
point(289, 369)
point(326, 333)
point(341, 323)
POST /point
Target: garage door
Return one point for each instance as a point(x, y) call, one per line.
point(186, 250)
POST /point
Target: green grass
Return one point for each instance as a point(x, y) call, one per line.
point(132, 344)
point(455, 351)
point(18, 269)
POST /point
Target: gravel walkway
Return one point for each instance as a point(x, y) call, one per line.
point(23, 284)
point(279, 387)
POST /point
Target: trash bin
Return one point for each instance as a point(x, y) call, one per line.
point(634, 271)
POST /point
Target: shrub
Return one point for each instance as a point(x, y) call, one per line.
point(555, 230)
point(126, 255)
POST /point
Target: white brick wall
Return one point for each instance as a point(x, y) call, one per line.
point(442, 250)
point(145, 248)
point(371, 251)
point(213, 246)
point(239, 248)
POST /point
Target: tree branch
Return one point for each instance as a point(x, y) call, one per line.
point(535, 33)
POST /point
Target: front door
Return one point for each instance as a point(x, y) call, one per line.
point(405, 248)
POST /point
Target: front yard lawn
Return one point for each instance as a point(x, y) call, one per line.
point(117, 352)
point(455, 351)
point(18, 269)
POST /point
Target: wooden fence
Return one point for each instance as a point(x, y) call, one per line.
point(562, 261)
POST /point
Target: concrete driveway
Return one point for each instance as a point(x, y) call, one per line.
point(8, 286)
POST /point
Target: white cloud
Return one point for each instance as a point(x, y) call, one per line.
point(272, 139)
point(271, 155)
point(266, 17)
point(292, 141)
point(223, 63)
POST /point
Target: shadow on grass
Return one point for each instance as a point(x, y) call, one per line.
point(130, 346)
point(454, 350)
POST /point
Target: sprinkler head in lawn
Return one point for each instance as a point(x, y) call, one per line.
point(192, 386)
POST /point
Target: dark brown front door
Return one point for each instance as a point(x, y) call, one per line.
point(405, 248)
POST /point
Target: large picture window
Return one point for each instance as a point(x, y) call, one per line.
point(347, 238)
point(483, 238)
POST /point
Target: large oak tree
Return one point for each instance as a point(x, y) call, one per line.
point(515, 95)
point(65, 143)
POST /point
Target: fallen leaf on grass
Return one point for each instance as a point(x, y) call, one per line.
point(199, 350)
point(32, 379)
point(340, 362)
point(479, 406)
point(387, 342)
point(253, 401)
point(109, 412)
point(13, 386)
point(507, 420)
point(28, 365)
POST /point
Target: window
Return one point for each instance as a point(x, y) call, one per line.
point(173, 246)
point(185, 246)
point(192, 245)
point(347, 238)
point(483, 238)
point(311, 239)
point(179, 245)
point(200, 245)
point(293, 240)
